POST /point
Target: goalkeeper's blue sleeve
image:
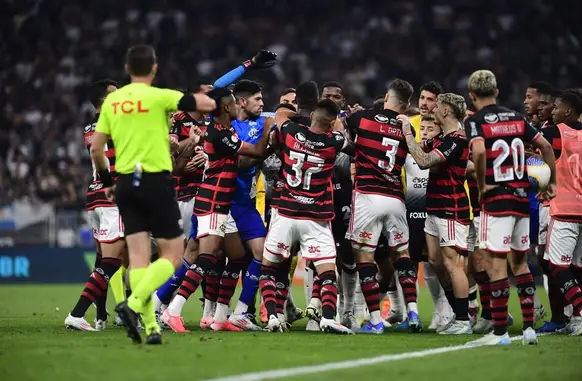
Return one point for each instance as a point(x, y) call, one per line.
point(230, 77)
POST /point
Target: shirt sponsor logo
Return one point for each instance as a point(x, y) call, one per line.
point(491, 118)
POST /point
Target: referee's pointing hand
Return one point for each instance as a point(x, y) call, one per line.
point(204, 103)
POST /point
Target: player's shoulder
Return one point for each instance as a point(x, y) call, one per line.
point(494, 114)
point(179, 116)
point(90, 127)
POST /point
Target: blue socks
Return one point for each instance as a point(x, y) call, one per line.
point(250, 283)
point(167, 290)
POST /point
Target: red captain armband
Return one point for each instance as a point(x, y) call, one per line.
point(105, 177)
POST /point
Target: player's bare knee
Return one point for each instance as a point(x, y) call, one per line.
point(113, 249)
point(364, 256)
point(256, 245)
point(324, 265)
point(191, 252)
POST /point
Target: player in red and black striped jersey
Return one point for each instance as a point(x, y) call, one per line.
point(305, 208)
point(107, 228)
point(378, 202)
point(212, 202)
point(447, 202)
point(498, 137)
point(189, 180)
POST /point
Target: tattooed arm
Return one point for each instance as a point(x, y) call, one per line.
point(423, 159)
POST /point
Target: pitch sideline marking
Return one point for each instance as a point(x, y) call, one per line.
point(348, 364)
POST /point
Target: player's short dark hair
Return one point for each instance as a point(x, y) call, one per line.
point(197, 84)
point(288, 90)
point(402, 89)
point(573, 100)
point(307, 95)
point(412, 111)
point(140, 60)
point(328, 108)
point(541, 87)
point(575, 90)
point(219, 94)
point(246, 88)
point(98, 91)
point(334, 84)
point(433, 87)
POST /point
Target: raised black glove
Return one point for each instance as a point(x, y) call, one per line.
point(262, 60)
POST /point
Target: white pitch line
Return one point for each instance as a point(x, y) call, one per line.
point(349, 364)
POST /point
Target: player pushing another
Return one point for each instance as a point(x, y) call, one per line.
point(305, 209)
point(136, 119)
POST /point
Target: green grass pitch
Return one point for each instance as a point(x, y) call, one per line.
point(34, 345)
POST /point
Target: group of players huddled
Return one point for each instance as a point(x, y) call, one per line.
point(363, 195)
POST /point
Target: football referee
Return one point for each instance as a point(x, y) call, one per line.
point(136, 117)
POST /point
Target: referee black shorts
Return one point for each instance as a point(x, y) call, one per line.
point(149, 207)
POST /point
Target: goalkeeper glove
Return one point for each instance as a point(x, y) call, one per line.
point(262, 60)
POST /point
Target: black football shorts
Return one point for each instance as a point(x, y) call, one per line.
point(150, 206)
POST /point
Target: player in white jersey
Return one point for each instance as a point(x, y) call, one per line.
point(416, 181)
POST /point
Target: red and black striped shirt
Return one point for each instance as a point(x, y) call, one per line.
point(95, 193)
point(308, 162)
point(474, 196)
point(187, 185)
point(221, 146)
point(380, 152)
point(279, 181)
point(446, 196)
point(505, 133)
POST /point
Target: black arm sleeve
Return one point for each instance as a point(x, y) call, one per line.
point(187, 103)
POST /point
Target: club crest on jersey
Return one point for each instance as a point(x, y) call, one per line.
point(300, 137)
point(491, 118)
point(382, 118)
point(253, 133)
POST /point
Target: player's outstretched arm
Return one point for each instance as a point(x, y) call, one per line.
point(263, 59)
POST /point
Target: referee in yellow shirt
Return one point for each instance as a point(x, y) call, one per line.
point(136, 119)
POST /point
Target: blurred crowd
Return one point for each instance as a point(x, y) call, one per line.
point(50, 51)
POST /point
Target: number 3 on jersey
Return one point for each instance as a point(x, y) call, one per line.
point(391, 150)
point(298, 177)
point(517, 151)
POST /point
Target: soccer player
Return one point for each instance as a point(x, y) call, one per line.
point(288, 96)
point(106, 224)
point(442, 313)
point(305, 209)
point(245, 219)
point(447, 203)
point(378, 201)
point(222, 147)
point(136, 119)
point(564, 248)
point(498, 137)
point(531, 103)
point(342, 197)
point(334, 91)
point(416, 182)
point(546, 106)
